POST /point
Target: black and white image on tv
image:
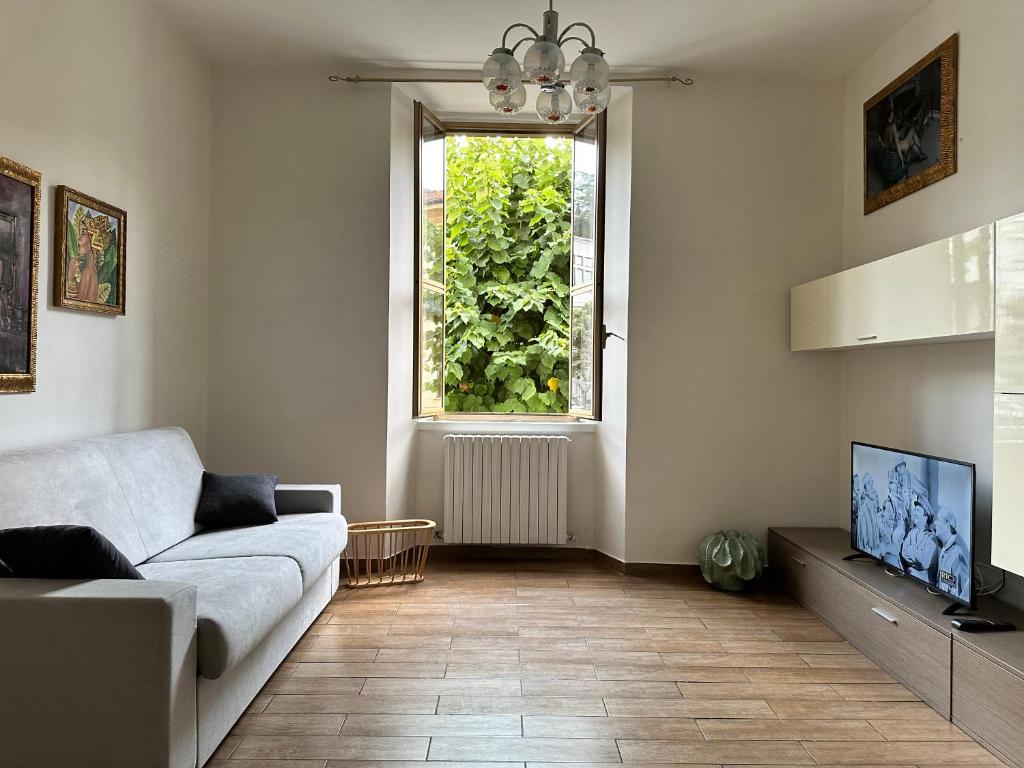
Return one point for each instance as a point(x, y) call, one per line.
point(919, 521)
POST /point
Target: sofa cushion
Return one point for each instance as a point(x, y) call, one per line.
point(239, 600)
point(229, 501)
point(161, 476)
point(311, 540)
point(68, 484)
point(139, 489)
point(62, 552)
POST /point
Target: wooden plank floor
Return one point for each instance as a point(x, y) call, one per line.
point(524, 665)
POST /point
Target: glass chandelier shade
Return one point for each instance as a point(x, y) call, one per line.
point(593, 102)
point(508, 102)
point(590, 72)
point(544, 62)
point(501, 72)
point(554, 105)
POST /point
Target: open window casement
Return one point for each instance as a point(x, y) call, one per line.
point(585, 278)
point(429, 244)
point(586, 332)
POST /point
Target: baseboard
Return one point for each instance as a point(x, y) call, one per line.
point(645, 569)
point(568, 554)
point(509, 552)
point(609, 562)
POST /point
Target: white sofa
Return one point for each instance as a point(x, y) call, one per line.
point(147, 673)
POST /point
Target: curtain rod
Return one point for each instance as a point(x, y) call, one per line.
point(360, 79)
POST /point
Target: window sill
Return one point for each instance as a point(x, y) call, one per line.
point(524, 427)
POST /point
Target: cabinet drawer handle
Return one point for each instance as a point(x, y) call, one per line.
point(891, 619)
point(872, 337)
point(798, 561)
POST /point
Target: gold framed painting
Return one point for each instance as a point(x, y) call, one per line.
point(20, 203)
point(89, 254)
point(910, 129)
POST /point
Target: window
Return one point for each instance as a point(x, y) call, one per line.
point(508, 250)
point(586, 337)
point(430, 277)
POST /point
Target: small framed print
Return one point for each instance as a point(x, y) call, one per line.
point(89, 254)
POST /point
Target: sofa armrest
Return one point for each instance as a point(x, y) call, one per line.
point(295, 499)
point(97, 673)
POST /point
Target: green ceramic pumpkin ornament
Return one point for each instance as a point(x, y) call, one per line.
point(729, 560)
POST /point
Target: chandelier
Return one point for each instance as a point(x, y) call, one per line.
point(544, 64)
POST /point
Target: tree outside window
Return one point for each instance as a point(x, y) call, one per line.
point(507, 260)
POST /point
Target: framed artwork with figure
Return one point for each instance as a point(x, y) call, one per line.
point(89, 254)
point(20, 203)
point(910, 129)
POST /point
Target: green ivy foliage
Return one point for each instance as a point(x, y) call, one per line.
point(507, 249)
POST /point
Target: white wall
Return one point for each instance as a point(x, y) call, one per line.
point(709, 223)
point(299, 282)
point(736, 197)
point(609, 512)
point(311, 297)
point(108, 100)
point(990, 161)
point(936, 398)
point(401, 440)
point(932, 398)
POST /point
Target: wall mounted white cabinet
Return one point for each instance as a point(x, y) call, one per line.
point(943, 291)
point(1008, 483)
point(1010, 305)
point(1008, 425)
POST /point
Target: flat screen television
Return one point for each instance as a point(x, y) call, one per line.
point(915, 513)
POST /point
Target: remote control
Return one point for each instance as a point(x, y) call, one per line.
point(982, 625)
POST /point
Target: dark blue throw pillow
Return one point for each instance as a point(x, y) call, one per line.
point(62, 552)
point(228, 501)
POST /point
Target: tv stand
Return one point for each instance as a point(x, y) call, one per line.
point(975, 680)
point(858, 556)
point(952, 609)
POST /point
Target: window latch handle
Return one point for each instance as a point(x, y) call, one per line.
point(605, 334)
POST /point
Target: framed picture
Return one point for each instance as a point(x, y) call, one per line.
point(20, 203)
point(910, 129)
point(89, 251)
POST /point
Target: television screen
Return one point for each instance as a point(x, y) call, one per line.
point(915, 513)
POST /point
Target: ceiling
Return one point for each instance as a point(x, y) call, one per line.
point(816, 39)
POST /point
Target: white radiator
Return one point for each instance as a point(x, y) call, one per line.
point(505, 489)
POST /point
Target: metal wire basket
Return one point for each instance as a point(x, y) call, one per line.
point(387, 552)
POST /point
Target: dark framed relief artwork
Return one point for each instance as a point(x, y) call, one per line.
point(910, 129)
point(20, 202)
point(89, 253)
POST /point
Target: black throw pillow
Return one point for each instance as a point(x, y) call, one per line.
point(63, 552)
point(232, 500)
